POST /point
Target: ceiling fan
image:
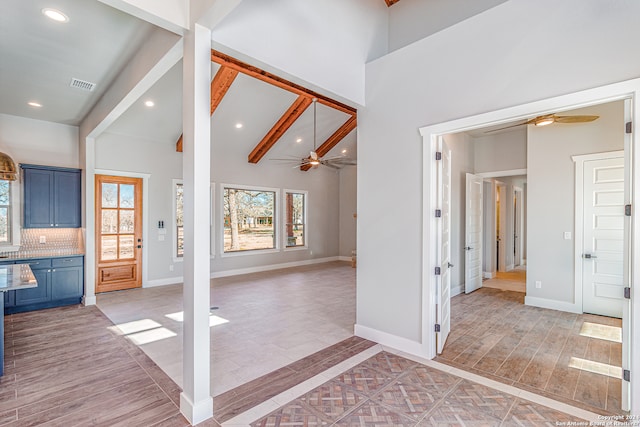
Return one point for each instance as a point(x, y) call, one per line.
point(548, 119)
point(313, 160)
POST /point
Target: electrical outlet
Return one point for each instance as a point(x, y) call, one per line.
point(43, 239)
point(538, 284)
point(170, 267)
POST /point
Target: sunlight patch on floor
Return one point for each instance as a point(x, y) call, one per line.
point(213, 319)
point(603, 332)
point(135, 326)
point(152, 335)
point(596, 367)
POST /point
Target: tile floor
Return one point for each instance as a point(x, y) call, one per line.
point(301, 320)
point(514, 280)
point(389, 390)
point(549, 352)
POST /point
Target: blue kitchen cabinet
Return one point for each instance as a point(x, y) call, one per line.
point(52, 197)
point(60, 282)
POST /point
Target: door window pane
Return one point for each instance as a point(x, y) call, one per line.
point(109, 195)
point(126, 196)
point(126, 246)
point(126, 221)
point(109, 248)
point(109, 221)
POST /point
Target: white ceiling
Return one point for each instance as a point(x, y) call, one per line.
point(41, 56)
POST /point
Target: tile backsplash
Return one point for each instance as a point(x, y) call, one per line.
point(48, 242)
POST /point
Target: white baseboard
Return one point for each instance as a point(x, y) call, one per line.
point(89, 300)
point(510, 267)
point(457, 290)
point(488, 274)
point(163, 282)
point(227, 273)
point(389, 340)
point(258, 269)
point(344, 258)
point(552, 304)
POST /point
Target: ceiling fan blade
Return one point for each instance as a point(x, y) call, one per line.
point(329, 165)
point(575, 119)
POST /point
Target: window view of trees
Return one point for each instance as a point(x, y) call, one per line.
point(117, 221)
point(248, 220)
point(5, 211)
point(295, 211)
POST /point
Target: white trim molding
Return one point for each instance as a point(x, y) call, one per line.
point(387, 339)
point(552, 304)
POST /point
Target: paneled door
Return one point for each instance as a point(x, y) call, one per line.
point(443, 312)
point(473, 234)
point(118, 233)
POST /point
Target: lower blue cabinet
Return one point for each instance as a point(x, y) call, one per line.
point(60, 282)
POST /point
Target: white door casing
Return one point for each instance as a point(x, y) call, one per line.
point(603, 237)
point(473, 233)
point(518, 231)
point(625, 402)
point(443, 309)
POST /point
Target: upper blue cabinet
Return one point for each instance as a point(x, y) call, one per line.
point(52, 197)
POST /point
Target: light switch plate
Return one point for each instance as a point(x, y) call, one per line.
point(567, 235)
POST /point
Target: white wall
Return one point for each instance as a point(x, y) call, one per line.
point(551, 183)
point(39, 142)
point(323, 43)
point(461, 71)
point(412, 20)
point(501, 151)
point(228, 166)
point(348, 208)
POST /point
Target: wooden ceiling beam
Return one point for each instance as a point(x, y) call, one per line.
point(265, 76)
point(281, 126)
point(219, 86)
point(391, 2)
point(334, 139)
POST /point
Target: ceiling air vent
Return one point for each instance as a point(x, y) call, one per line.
point(83, 85)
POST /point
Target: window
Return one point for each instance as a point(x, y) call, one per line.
point(5, 212)
point(295, 208)
point(179, 203)
point(249, 219)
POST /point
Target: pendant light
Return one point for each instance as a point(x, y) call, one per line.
point(8, 170)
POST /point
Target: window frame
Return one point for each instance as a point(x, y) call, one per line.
point(14, 213)
point(276, 227)
point(305, 223)
point(174, 219)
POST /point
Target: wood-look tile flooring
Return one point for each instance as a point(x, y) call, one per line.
point(264, 321)
point(70, 367)
point(388, 390)
point(495, 335)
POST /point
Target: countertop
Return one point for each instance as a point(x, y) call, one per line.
point(16, 276)
point(27, 255)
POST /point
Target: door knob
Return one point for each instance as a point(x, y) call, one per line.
point(467, 248)
point(449, 265)
point(588, 256)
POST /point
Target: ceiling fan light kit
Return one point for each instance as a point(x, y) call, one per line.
point(543, 120)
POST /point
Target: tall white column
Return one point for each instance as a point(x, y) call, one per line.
point(196, 403)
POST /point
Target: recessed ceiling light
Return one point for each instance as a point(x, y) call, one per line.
point(55, 14)
point(238, 125)
point(299, 140)
point(149, 103)
point(344, 151)
point(34, 104)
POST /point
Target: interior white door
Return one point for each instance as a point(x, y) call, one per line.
point(473, 234)
point(625, 402)
point(603, 237)
point(517, 227)
point(443, 311)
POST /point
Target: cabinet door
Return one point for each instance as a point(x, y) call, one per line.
point(67, 213)
point(38, 198)
point(36, 295)
point(66, 282)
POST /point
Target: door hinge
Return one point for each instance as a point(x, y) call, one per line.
point(628, 127)
point(437, 327)
point(626, 375)
point(438, 155)
point(627, 293)
point(437, 272)
point(438, 213)
point(627, 210)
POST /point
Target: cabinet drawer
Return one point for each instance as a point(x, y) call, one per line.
point(74, 261)
point(37, 264)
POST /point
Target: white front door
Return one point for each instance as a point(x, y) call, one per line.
point(473, 234)
point(443, 312)
point(603, 237)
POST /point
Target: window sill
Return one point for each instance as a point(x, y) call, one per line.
point(296, 248)
point(9, 248)
point(250, 252)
